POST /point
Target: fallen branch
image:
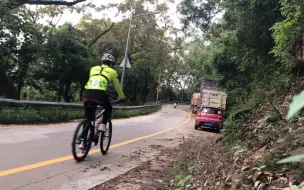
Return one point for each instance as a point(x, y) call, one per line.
point(6, 5)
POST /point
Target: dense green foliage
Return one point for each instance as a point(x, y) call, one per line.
point(42, 60)
point(32, 116)
point(54, 115)
point(252, 50)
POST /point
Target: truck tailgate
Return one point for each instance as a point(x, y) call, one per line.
point(214, 98)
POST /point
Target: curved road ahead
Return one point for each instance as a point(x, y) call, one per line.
point(38, 157)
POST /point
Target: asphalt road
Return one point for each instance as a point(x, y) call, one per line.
point(39, 156)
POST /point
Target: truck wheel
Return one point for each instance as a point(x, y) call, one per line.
point(218, 130)
point(196, 127)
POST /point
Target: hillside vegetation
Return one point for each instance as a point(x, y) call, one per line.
point(255, 52)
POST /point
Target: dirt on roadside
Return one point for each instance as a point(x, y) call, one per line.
point(161, 172)
point(153, 174)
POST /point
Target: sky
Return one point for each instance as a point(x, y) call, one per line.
point(74, 17)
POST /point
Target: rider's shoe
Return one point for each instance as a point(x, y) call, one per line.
point(81, 146)
point(102, 127)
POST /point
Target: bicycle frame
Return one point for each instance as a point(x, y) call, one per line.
point(100, 114)
point(96, 133)
point(102, 111)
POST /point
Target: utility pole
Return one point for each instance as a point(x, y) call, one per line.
point(126, 53)
point(127, 46)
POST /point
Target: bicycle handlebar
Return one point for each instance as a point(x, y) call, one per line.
point(111, 95)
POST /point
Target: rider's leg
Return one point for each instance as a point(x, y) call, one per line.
point(90, 109)
point(106, 115)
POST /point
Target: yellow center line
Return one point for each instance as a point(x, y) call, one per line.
point(57, 160)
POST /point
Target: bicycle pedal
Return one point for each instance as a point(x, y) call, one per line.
point(82, 148)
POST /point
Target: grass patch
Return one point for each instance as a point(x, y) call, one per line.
point(33, 116)
point(234, 123)
point(185, 166)
point(131, 113)
point(54, 115)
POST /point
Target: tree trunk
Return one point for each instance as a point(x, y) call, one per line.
point(154, 96)
point(7, 88)
point(145, 92)
point(135, 91)
point(19, 88)
point(66, 95)
point(60, 91)
point(21, 77)
point(169, 91)
point(81, 93)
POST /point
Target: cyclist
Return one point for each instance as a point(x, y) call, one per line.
point(95, 90)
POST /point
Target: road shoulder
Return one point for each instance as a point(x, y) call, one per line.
point(157, 173)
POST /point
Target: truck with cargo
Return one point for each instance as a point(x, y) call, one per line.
point(211, 106)
point(195, 102)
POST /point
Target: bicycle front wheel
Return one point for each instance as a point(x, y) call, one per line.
point(83, 134)
point(105, 139)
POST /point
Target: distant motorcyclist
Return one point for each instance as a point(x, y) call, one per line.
point(175, 104)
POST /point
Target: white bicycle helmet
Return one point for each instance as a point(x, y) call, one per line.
point(108, 58)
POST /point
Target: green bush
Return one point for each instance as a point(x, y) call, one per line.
point(132, 113)
point(53, 115)
point(233, 124)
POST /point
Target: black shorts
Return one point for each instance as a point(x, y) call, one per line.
point(97, 95)
point(91, 99)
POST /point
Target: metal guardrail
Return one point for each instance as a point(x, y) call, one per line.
point(9, 103)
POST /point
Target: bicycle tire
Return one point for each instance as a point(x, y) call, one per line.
point(102, 135)
point(75, 138)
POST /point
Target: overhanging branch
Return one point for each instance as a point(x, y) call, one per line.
point(103, 33)
point(50, 2)
point(6, 5)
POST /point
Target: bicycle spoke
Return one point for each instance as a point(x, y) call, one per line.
point(105, 139)
point(82, 134)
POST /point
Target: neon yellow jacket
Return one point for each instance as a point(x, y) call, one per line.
point(100, 76)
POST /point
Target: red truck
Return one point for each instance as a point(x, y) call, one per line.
point(211, 107)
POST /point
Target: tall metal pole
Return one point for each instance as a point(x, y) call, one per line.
point(158, 84)
point(126, 53)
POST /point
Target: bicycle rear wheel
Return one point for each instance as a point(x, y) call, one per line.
point(105, 139)
point(84, 133)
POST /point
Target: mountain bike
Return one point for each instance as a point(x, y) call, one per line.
point(89, 135)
